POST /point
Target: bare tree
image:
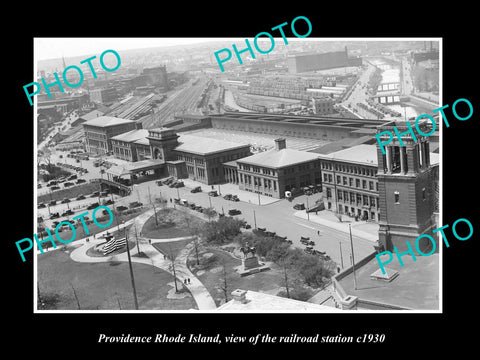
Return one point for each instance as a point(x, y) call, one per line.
point(224, 286)
point(172, 256)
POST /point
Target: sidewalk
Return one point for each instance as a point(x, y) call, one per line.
point(369, 230)
point(223, 189)
point(200, 294)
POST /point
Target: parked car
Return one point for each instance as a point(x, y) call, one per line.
point(92, 206)
point(199, 208)
point(196, 189)
point(72, 177)
point(179, 184)
point(39, 186)
point(67, 184)
point(81, 197)
point(41, 206)
point(192, 206)
point(159, 182)
point(235, 198)
point(304, 240)
point(300, 206)
point(95, 194)
point(213, 193)
point(81, 181)
point(53, 202)
point(55, 187)
point(54, 215)
point(228, 197)
point(67, 212)
point(109, 202)
point(122, 208)
point(234, 212)
point(135, 204)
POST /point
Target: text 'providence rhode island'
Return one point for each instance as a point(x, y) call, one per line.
point(383, 140)
point(61, 225)
point(65, 78)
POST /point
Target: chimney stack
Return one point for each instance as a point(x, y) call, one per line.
point(280, 144)
point(240, 295)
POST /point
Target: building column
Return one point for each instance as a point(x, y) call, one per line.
point(389, 159)
point(402, 159)
point(424, 156)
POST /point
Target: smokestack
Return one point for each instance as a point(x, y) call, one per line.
point(280, 144)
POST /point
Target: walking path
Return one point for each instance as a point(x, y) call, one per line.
point(200, 294)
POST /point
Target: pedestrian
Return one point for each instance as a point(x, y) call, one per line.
point(318, 232)
point(188, 281)
point(170, 199)
point(164, 257)
point(185, 281)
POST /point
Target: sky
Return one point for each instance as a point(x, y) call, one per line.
point(51, 48)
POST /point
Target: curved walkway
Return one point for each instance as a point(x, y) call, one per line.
point(199, 292)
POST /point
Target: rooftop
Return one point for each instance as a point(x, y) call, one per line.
point(92, 115)
point(279, 158)
point(204, 146)
point(106, 121)
point(363, 154)
point(261, 302)
point(131, 136)
point(416, 287)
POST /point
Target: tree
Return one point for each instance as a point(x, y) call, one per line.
point(224, 286)
point(172, 256)
point(221, 231)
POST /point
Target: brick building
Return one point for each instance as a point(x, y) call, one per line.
point(100, 131)
point(349, 179)
point(273, 172)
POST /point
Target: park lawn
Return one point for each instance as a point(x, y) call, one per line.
point(270, 281)
point(171, 247)
point(171, 224)
point(104, 286)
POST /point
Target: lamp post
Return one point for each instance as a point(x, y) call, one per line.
point(308, 214)
point(130, 267)
point(353, 258)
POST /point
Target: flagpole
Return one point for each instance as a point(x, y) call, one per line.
point(130, 267)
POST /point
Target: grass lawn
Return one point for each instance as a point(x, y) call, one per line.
point(71, 192)
point(173, 247)
point(171, 224)
point(104, 286)
point(270, 281)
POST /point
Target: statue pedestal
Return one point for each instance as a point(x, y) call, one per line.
point(251, 265)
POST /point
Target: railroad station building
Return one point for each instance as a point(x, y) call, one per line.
point(273, 172)
point(100, 131)
point(350, 184)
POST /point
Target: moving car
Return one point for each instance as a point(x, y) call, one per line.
point(213, 193)
point(196, 189)
point(234, 212)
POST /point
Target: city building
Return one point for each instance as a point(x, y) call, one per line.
point(321, 61)
point(105, 96)
point(204, 158)
point(349, 182)
point(125, 145)
point(99, 132)
point(275, 171)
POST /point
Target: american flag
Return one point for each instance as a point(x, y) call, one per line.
point(113, 245)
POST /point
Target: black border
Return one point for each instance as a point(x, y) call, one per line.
point(79, 332)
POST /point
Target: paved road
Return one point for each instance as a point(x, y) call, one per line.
point(278, 216)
